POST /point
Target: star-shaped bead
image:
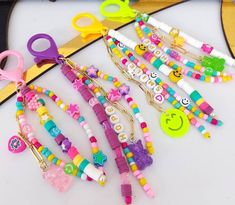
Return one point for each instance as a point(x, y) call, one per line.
point(73, 110)
point(77, 84)
point(92, 71)
point(114, 95)
point(99, 158)
point(179, 41)
point(124, 89)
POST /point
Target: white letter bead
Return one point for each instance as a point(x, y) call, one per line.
point(152, 47)
point(164, 58)
point(118, 128)
point(131, 67)
point(144, 78)
point(146, 42)
point(158, 98)
point(157, 53)
point(150, 83)
point(138, 72)
point(122, 137)
point(114, 119)
point(157, 89)
point(109, 110)
point(153, 76)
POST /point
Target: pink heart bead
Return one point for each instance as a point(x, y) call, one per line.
point(16, 145)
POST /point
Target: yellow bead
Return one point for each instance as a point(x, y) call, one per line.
point(40, 148)
point(129, 155)
point(31, 87)
point(51, 157)
point(96, 90)
point(58, 162)
point(200, 115)
point(150, 150)
point(51, 94)
point(182, 108)
point(75, 172)
point(142, 66)
point(39, 90)
point(142, 181)
point(145, 130)
point(153, 59)
point(190, 116)
point(174, 102)
point(199, 102)
point(175, 76)
point(19, 112)
point(171, 63)
point(59, 102)
point(160, 45)
point(207, 135)
point(98, 73)
point(95, 150)
point(106, 77)
point(208, 79)
point(197, 67)
point(194, 109)
point(140, 49)
point(134, 167)
point(77, 160)
point(42, 110)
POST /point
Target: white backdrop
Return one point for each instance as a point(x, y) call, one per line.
point(190, 170)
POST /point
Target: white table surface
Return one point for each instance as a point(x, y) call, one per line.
point(186, 171)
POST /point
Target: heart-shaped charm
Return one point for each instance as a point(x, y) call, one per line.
point(16, 145)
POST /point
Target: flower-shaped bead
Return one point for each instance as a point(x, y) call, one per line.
point(92, 71)
point(114, 95)
point(99, 158)
point(124, 89)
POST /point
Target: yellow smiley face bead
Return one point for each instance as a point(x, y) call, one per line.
point(140, 49)
point(175, 76)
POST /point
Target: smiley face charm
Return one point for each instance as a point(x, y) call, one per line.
point(175, 76)
point(140, 49)
point(184, 102)
point(174, 123)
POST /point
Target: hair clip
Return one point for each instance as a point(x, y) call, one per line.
point(57, 173)
point(103, 103)
point(118, 46)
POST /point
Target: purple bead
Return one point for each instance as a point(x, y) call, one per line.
point(112, 138)
point(86, 95)
point(126, 190)
point(25, 90)
point(66, 144)
point(173, 54)
point(141, 157)
point(106, 125)
point(92, 71)
point(124, 89)
point(122, 164)
point(59, 139)
point(65, 69)
point(71, 76)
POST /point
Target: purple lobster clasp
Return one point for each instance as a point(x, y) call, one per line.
point(49, 55)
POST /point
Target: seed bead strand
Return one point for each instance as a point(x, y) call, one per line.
point(37, 104)
point(73, 111)
point(122, 136)
point(110, 134)
point(155, 40)
point(192, 120)
point(169, 89)
point(45, 151)
point(132, 104)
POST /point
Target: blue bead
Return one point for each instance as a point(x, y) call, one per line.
point(136, 110)
point(158, 80)
point(177, 105)
point(190, 73)
point(112, 46)
point(45, 149)
point(49, 125)
point(126, 150)
point(55, 131)
point(110, 78)
point(170, 99)
point(48, 153)
point(197, 112)
point(209, 119)
point(190, 107)
point(202, 78)
point(81, 119)
point(54, 161)
point(132, 58)
point(130, 160)
point(47, 92)
point(201, 128)
point(168, 51)
point(124, 49)
point(175, 66)
point(138, 19)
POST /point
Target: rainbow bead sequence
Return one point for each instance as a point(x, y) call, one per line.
point(129, 155)
point(133, 105)
point(81, 120)
point(45, 151)
point(172, 94)
point(216, 76)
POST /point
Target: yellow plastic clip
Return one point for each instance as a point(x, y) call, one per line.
point(96, 27)
point(124, 11)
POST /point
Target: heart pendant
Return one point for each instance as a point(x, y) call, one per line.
point(16, 145)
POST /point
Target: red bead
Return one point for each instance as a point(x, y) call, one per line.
point(93, 139)
point(20, 99)
point(84, 79)
point(129, 99)
point(128, 199)
point(129, 55)
point(141, 23)
point(143, 124)
point(214, 122)
point(116, 42)
point(124, 145)
point(89, 178)
point(197, 76)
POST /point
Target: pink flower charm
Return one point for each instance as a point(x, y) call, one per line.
point(114, 95)
point(77, 84)
point(73, 110)
point(57, 178)
point(207, 48)
point(16, 145)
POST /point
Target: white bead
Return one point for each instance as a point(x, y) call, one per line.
point(185, 61)
point(157, 89)
point(152, 47)
point(186, 87)
point(122, 137)
point(153, 76)
point(158, 98)
point(165, 69)
point(93, 172)
point(184, 102)
point(150, 84)
point(109, 110)
point(158, 53)
point(180, 83)
point(118, 128)
point(141, 119)
point(114, 119)
point(146, 42)
point(137, 115)
point(131, 67)
point(62, 106)
point(89, 132)
point(138, 72)
point(164, 58)
point(83, 177)
point(86, 126)
point(144, 78)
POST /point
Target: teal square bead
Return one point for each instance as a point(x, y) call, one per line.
point(44, 151)
point(48, 153)
point(177, 105)
point(132, 58)
point(197, 112)
point(190, 73)
point(79, 174)
point(83, 164)
point(201, 128)
point(195, 96)
point(49, 125)
point(81, 119)
point(54, 161)
point(157, 63)
point(175, 66)
point(136, 110)
point(170, 99)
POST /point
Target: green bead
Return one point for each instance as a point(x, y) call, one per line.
point(215, 63)
point(99, 158)
point(41, 101)
point(69, 168)
point(208, 71)
point(157, 63)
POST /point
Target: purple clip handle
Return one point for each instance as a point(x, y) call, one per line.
point(50, 53)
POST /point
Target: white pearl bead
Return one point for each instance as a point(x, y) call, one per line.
point(118, 128)
point(114, 119)
point(109, 110)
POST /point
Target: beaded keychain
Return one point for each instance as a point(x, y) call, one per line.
point(104, 104)
point(139, 73)
point(57, 173)
point(210, 70)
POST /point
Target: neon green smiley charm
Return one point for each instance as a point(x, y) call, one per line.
point(174, 123)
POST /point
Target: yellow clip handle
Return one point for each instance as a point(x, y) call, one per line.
point(124, 9)
point(96, 27)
